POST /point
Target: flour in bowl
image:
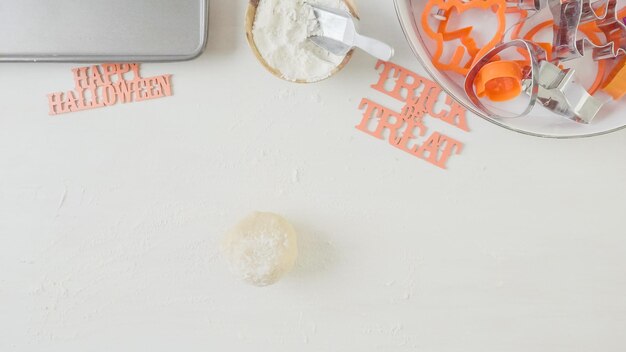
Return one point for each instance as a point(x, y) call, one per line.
point(280, 32)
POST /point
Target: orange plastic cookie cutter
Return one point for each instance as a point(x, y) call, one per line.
point(616, 81)
point(499, 80)
point(445, 9)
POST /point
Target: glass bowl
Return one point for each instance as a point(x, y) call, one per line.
point(540, 122)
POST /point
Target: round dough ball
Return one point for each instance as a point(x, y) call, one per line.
point(261, 248)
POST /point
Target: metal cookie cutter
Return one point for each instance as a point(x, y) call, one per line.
point(612, 26)
point(532, 5)
point(544, 82)
point(530, 74)
point(591, 31)
point(569, 15)
point(560, 94)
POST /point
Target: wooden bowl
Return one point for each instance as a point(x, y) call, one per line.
point(250, 16)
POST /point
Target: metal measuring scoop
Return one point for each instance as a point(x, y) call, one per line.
point(339, 34)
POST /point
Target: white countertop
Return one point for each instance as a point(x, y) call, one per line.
point(110, 219)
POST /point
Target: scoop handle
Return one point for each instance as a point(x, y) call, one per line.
point(374, 47)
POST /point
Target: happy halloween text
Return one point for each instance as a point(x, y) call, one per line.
point(107, 84)
point(406, 129)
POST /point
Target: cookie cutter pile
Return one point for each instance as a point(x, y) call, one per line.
point(580, 28)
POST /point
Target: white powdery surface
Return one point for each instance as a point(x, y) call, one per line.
point(280, 31)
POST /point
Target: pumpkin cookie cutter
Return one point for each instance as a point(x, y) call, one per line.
point(534, 53)
point(499, 80)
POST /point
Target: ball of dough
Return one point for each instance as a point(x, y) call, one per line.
point(261, 248)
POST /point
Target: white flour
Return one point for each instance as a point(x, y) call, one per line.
point(281, 29)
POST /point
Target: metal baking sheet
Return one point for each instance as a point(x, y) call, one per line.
point(102, 30)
